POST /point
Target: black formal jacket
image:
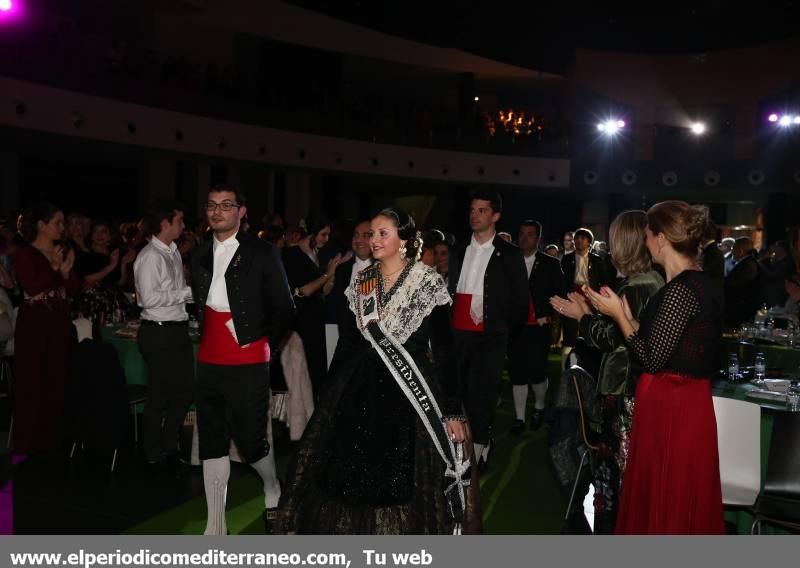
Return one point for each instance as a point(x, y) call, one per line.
point(713, 263)
point(336, 300)
point(505, 286)
point(742, 287)
point(258, 292)
point(598, 271)
point(546, 280)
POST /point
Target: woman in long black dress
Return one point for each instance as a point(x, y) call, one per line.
point(310, 284)
point(385, 441)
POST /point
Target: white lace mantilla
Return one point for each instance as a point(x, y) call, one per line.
point(422, 291)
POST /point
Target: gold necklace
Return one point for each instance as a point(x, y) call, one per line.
point(386, 277)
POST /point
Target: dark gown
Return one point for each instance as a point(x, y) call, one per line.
point(310, 318)
point(41, 363)
point(366, 464)
point(671, 483)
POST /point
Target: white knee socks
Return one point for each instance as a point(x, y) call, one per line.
point(272, 488)
point(520, 393)
point(540, 390)
point(216, 473)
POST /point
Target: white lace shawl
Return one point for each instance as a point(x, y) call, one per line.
point(423, 290)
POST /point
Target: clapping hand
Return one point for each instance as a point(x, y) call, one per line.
point(606, 302)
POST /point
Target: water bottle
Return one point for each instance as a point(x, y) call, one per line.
point(793, 397)
point(760, 368)
point(733, 367)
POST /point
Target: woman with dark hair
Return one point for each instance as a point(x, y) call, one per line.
point(43, 332)
point(388, 448)
point(310, 284)
point(616, 381)
point(671, 483)
point(104, 273)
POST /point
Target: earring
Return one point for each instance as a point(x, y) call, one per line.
point(403, 250)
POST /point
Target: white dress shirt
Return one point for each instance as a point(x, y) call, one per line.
point(358, 266)
point(218, 292)
point(581, 268)
point(472, 274)
point(529, 262)
point(161, 290)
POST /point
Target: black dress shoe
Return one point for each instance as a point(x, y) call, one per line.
point(537, 419)
point(269, 516)
point(518, 427)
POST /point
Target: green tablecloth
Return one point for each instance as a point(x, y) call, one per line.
point(787, 359)
point(129, 355)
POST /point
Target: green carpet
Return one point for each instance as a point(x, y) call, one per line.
point(519, 494)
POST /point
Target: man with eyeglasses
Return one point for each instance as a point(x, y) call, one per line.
point(244, 305)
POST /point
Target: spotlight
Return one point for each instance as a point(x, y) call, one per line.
point(773, 117)
point(5, 5)
point(698, 128)
point(477, 99)
point(796, 120)
point(785, 121)
point(611, 127)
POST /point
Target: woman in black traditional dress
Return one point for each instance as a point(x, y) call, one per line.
point(387, 450)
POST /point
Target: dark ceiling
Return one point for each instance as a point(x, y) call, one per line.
point(544, 35)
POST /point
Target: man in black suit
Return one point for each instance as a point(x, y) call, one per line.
point(582, 267)
point(244, 303)
point(712, 261)
point(742, 285)
point(528, 354)
point(487, 278)
point(345, 272)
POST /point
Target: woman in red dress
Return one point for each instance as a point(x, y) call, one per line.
point(671, 483)
point(43, 333)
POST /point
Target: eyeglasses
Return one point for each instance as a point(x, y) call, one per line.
point(211, 206)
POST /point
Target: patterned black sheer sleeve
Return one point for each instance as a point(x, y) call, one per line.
point(680, 328)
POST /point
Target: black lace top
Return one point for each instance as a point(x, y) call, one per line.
point(679, 329)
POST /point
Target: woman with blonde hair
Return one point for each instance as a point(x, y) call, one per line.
point(672, 483)
point(618, 372)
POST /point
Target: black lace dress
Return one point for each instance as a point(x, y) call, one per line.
point(366, 464)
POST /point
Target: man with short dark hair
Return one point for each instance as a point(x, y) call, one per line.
point(581, 267)
point(347, 271)
point(163, 336)
point(245, 305)
point(742, 285)
point(713, 262)
point(488, 281)
point(528, 353)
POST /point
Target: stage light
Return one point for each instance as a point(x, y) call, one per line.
point(611, 127)
point(698, 128)
point(796, 120)
point(773, 117)
point(785, 120)
point(477, 99)
point(6, 5)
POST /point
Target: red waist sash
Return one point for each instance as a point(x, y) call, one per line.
point(462, 321)
point(218, 347)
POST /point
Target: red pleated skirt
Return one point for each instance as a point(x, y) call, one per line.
point(671, 483)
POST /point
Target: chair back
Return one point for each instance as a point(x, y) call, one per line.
point(783, 467)
point(739, 446)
